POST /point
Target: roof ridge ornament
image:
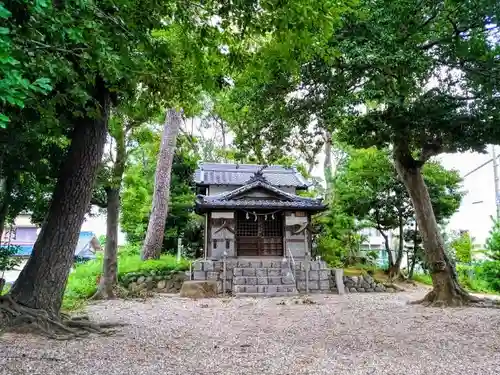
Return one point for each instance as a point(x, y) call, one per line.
point(258, 176)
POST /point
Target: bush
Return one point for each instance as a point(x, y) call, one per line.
point(423, 278)
point(82, 282)
point(8, 260)
point(489, 271)
point(472, 278)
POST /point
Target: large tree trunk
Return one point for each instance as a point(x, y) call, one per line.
point(42, 282)
point(415, 249)
point(395, 268)
point(110, 261)
point(446, 289)
point(5, 203)
point(387, 247)
point(156, 227)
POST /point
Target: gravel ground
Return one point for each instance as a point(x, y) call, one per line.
point(351, 334)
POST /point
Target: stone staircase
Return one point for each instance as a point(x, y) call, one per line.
point(263, 279)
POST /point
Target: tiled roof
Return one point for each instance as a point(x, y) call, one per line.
point(239, 174)
point(261, 204)
point(283, 199)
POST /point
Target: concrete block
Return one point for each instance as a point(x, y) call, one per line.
point(239, 280)
point(217, 266)
point(339, 281)
point(239, 288)
point(256, 264)
point(313, 284)
point(248, 271)
point(300, 275)
point(212, 276)
point(261, 288)
point(261, 272)
point(324, 274)
point(275, 280)
point(199, 275)
point(274, 272)
point(262, 281)
point(266, 263)
point(198, 266)
point(324, 285)
point(208, 266)
point(251, 280)
point(271, 288)
point(238, 272)
point(251, 289)
point(243, 264)
point(314, 275)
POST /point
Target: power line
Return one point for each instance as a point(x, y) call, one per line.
point(479, 167)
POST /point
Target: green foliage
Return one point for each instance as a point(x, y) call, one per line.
point(7, 259)
point(138, 188)
point(423, 278)
point(82, 282)
point(472, 277)
point(489, 271)
point(58, 60)
point(464, 247)
point(369, 191)
point(338, 241)
point(493, 242)
point(14, 87)
point(367, 187)
point(102, 240)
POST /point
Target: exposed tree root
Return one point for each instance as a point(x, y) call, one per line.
point(118, 292)
point(18, 318)
point(394, 286)
point(458, 298)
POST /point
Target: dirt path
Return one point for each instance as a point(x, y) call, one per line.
point(352, 334)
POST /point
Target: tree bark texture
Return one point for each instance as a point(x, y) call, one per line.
point(395, 268)
point(156, 227)
point(415, 249)
point(446, 289)
point(110, 262)
point(387, 247)
point(42, 282)
point(327, 166)
point(5, 203)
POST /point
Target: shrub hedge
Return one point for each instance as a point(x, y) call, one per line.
point(82, 282)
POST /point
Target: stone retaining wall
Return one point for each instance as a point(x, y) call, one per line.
point(156, 281)
point(322, 279)
point(363, 284)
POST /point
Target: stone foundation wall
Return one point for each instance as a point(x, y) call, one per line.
point(156, 281)
point(363, 284)
point(321, 278)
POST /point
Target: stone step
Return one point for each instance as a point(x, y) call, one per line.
point(254, 280)
point(266, 263)
point(264, 289)
point(266, 295)
point(261, 272)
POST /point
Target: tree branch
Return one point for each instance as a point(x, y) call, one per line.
point(431, 149)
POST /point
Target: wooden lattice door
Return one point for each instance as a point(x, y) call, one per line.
point(259, 237)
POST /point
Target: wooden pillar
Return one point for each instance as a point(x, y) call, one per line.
point(205, 239)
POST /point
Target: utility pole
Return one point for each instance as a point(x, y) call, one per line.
point(497, 183)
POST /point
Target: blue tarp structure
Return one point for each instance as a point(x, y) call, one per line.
point(83, 248)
